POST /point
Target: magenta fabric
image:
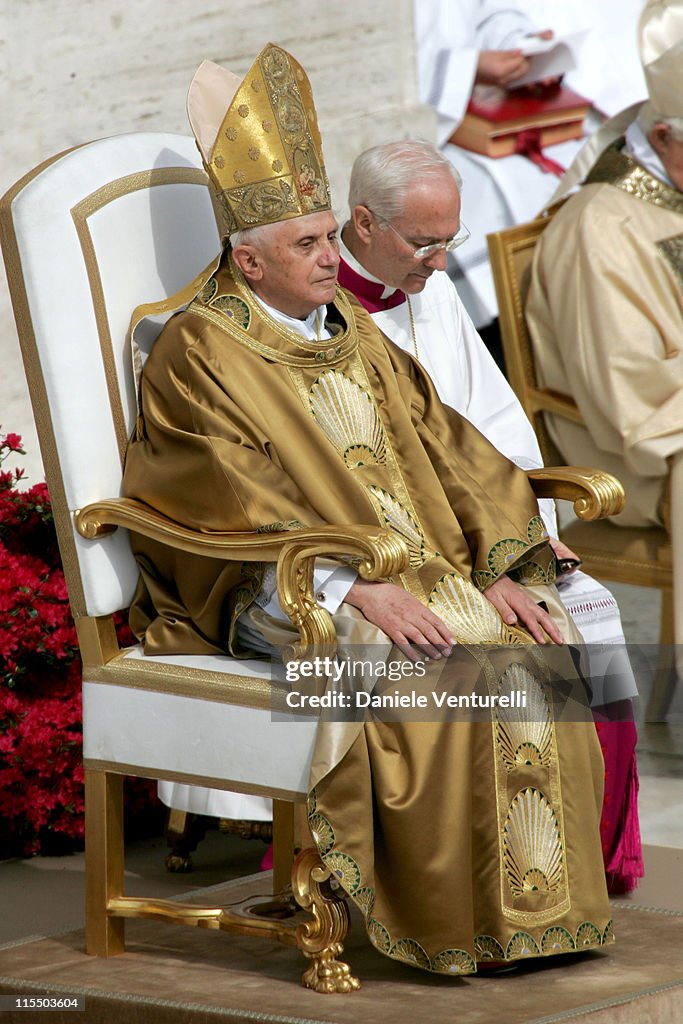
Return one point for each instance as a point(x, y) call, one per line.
point(368, 293)
point(619, 824)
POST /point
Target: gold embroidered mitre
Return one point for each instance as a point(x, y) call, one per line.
point(259, 140)
point(661, 52)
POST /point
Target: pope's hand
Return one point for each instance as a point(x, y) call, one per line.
point(405, 620)
point(515, 605)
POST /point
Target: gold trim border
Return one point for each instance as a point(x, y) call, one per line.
point(184, 681)
point(124, 768)
point(113, 190)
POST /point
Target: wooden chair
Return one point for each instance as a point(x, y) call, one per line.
point(641, 557)
point(87, 237)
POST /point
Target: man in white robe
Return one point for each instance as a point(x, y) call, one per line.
point(404, 197)
point(461, 43)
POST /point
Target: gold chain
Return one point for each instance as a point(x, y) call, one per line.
point(412, 328)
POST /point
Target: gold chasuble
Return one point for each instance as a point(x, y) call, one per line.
point(460, 841)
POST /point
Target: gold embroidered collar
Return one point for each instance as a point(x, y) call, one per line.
point(615, 167)
point(227, 301)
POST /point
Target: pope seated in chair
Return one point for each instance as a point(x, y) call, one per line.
point(273, 402)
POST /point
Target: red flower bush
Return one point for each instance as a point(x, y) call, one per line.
point(41, 771)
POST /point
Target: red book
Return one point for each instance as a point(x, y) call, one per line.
point(494, 118)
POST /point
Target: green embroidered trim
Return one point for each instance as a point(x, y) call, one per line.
point(322, 832)
point(378, 936)
point(208, 291)
point(536, 531)
point(408, 951)
point(231, 306)
point(344, 869)
point(587, 935)
point(504, 554)
point(365, 900)
point(234, 308)
point(520, 945)
point(453, 961)
point(557, 940)
point(509, 550)
point(488, 948)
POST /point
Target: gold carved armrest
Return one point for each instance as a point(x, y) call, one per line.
point(595, 494)
point(377, 553)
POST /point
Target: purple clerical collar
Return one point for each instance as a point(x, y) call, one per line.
point(370, 292)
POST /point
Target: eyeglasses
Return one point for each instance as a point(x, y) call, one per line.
point(423, 251)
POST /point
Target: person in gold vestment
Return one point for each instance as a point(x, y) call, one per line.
point(273, 402)
point(605, 304)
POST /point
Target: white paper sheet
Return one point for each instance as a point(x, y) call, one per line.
point(550, 58)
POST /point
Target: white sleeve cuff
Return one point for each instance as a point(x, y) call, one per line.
point(331, 584)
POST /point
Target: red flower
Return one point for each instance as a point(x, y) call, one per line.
point(12, 443)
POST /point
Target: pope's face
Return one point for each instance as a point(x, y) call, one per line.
point(300, 261)
point(431, 213)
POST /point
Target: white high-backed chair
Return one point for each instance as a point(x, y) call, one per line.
point(87, 237)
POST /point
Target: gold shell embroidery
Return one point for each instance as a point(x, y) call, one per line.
point(471, 618)
point(322, 832)
point(557, 940)
point(533, 856)
point(523, 735)
point(410, 952)
point(234, 308)
point(400, 520)
point(520, 945)
point(488, 948)
point(453, 961)
point(346, 414)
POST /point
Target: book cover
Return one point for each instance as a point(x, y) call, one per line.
point(494, 117)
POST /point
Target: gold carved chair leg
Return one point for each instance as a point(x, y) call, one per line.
point(321, 937)
point(104, 858)
point(665, 677)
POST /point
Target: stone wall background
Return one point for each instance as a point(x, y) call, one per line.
point(72, 72)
